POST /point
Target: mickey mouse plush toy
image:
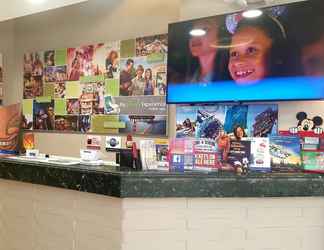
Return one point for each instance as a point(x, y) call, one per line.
point(306, 124)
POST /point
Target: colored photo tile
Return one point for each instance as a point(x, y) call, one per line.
point(73, 106)
point(98, 123)
point(60, 57)
point(144, 124)
point(110, 106)
point(127, 48)
point(55, 74)
point(262, 120)
point(106, 60)
point(48, 90)
point(49, 58)
point(73, 89)
point(80, 62)
point(27, 106)
point(59, 90)
point(138, 77)
point(60, 107)
point(27, 113)
point(92, 99)
point(66, 123)
point(157, 44)
point(89, 79)
point(112, 87)
point(43, 114)
point(33, 86)
point(84, 123)
point(34, 64)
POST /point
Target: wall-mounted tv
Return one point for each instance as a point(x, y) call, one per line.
point(277, 56)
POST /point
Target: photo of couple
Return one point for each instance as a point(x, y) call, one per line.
point(140, 78)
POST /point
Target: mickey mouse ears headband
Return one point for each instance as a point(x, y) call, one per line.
point(232, 21)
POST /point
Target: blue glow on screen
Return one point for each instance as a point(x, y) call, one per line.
point(293, 88)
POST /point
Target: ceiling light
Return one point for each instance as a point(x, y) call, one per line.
point(36, 1)
point(252, 13)
point(197, 32)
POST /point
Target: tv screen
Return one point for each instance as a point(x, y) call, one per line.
point(276, 56)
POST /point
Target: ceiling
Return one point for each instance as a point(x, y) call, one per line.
point(10, 9)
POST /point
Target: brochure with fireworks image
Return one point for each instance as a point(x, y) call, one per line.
point(285, 153)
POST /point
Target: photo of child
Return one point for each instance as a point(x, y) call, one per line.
point(256, 50)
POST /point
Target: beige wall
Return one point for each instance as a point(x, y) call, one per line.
point(99, 21)
point(7, 49)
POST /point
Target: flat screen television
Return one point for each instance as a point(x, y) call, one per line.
point(277, 56)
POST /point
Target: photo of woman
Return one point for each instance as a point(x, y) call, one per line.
point(208, 56)
point(112, 64)
point(149, 84)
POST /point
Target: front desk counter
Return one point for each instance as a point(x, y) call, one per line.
point(107, 180)
point(42, 206)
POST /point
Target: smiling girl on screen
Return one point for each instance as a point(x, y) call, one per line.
point(207, 56)
point(257, 50)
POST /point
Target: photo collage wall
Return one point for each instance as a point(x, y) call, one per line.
point(114, 87)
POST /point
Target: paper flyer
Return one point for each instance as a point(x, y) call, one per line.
point(260, 151)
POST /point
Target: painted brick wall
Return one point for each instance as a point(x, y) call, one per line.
point(223, 224)
point(34, 217)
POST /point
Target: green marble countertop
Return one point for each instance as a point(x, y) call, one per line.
point(107, 180)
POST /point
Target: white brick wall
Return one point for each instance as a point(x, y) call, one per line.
point(34, 217)
point(224, 224)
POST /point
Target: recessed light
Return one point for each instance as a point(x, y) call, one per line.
point(197, 32)
point(36, 1)
point(252, 13)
